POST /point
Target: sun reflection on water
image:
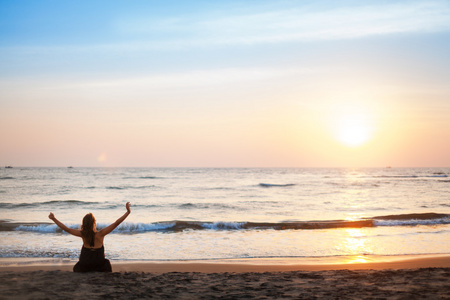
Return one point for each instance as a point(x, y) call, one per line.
point(357, 260)
point(357, 244)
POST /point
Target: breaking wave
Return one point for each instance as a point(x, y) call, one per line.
point(412, 219)
point(179, 226)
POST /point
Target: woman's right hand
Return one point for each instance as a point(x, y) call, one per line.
point(51, 216)
point(128, 207)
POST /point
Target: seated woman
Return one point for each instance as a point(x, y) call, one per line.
point(92, 257)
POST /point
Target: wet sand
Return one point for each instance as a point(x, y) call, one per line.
point(411, 278)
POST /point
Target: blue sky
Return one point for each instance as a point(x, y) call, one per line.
point(232, 83)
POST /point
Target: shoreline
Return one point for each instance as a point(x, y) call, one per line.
point(360, 262)
point(411, 277)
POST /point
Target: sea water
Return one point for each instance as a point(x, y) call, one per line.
point(226, 213)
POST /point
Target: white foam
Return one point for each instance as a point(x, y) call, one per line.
point(141, 227)
point(42, 228)
point(223, 225)
point(411, 222)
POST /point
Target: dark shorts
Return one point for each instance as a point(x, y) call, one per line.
point(92, 260)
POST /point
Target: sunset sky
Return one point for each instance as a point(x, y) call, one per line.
point(225, 83)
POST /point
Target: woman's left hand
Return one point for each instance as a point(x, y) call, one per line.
point(51, 216)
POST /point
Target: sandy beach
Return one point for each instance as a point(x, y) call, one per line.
point(408, 278)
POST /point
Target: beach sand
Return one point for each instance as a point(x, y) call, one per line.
point(408, 278)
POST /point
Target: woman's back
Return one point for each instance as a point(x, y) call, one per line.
point(98, 241)
point(92, 257)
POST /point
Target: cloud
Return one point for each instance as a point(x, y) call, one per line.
point(188, 79)
point(248, 25)
point(257, 24)
point(311, 23)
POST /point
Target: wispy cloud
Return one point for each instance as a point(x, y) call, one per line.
point(190, 79)
point(295, 24)
point(249, 25)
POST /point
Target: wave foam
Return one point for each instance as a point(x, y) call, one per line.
point(179, 226)
point(411, 222)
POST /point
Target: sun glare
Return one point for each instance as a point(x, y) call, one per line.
point(352, 125)
point(102, 157)
point(353, 131)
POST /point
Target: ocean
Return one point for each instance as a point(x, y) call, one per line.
point(227, 213)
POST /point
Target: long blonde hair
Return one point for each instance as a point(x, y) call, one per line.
point(88, 229)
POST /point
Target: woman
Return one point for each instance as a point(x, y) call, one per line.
point(92, 257)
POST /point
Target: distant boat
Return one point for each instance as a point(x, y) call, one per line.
point(69, 167)
point(8, 167)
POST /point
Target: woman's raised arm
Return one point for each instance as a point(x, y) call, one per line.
point(113, 226)
point(75, 232)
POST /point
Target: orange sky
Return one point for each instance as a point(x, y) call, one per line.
point(227, 85)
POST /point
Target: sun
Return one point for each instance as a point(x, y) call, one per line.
point(353, 131)
point(353, 125)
